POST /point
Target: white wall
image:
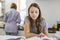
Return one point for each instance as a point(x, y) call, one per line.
point(50, 10)
point(8, 3)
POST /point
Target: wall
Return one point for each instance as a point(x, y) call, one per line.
point(50, 10)
point(8, 3)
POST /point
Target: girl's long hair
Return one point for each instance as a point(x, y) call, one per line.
point(38, 20)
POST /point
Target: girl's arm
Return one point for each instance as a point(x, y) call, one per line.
point(28, 34)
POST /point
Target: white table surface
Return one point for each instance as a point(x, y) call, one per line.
point(55, 35)
point(5, 37)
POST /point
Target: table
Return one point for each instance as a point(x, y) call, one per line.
point(51, 35)
point(8, 37)
point(37, 38)
point(55, 35)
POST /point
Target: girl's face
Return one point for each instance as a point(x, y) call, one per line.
point(34, 13)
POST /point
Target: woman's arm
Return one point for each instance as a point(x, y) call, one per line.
point(45, 28)
point(43, 34)
point(5, 17)
point(18, 18)
point(46, 32)
point(28, 34)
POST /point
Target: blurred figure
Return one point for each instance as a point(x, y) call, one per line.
point(11, 18)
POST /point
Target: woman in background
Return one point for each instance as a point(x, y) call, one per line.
point(11, 18)
point(34, 24)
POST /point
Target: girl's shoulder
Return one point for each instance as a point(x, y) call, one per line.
point(26, 19)
point(42, 19)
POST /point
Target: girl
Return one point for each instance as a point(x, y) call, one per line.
point(34, 24)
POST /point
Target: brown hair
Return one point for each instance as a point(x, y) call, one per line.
point(38, 20)
point(13, 5)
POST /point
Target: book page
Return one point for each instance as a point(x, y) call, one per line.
point(38, 38)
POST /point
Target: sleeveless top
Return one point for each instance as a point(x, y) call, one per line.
point(34, 28)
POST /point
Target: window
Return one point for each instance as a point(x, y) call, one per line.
point(22, 10)
point(0, 9)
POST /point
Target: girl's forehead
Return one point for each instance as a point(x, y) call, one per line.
point(34, 8)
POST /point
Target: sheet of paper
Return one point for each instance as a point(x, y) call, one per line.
point(38, 38)
point(5, 37)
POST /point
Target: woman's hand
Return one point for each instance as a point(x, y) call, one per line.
point(41, 35)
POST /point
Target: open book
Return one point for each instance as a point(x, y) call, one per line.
point(38, 38)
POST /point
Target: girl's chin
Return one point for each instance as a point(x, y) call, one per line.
point(34, 18)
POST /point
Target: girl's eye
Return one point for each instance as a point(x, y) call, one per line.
point(36, 12)
point(32, 12)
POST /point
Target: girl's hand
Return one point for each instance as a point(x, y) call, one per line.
point(41, 35)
